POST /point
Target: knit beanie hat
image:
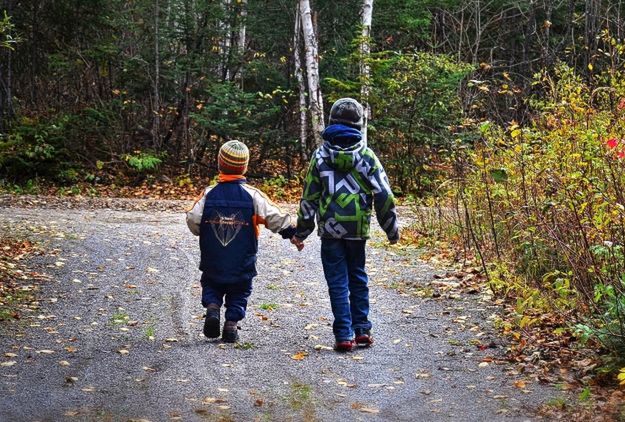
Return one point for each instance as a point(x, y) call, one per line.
point(233, 158)
point(347, 111)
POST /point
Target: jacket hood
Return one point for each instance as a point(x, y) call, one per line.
point(343, 148)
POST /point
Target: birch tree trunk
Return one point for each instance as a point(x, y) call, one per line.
point(226, 33)
point(241, 41)
point(315, 98)
point(299, 75)
point(365, 69)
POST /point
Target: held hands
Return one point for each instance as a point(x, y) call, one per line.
point(298, 243)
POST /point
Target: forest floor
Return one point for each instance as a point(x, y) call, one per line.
point(113, 332)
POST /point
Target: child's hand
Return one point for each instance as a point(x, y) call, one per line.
point(298, 243)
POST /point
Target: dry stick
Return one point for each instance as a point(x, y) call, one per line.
point(490, 214)
point(619, 195)
point(472, 233)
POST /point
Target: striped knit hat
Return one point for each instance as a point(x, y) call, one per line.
point(233, 158)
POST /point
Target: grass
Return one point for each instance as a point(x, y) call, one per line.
point(268, 306)
point(119, 318)
point(245, 346)
point(301, 396)
point(149, 332)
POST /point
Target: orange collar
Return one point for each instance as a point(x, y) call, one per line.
point(229, 177)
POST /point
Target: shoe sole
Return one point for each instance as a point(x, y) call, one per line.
point(344, 347)
point(364, 342)
point(229, 337)
point(211, 327)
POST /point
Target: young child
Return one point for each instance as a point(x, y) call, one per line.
point(344, 180)
point(227, 219)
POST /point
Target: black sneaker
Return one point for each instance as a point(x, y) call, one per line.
point(230, 334)
point(363, 338)
point(211, 323)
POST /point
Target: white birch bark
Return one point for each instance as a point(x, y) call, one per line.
point(224, 45)
point(365, 69)
point(241, 41)
point(299, 75)
point(312, 71)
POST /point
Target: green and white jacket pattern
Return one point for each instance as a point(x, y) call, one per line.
point(342, 186)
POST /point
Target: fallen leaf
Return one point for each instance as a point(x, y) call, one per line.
point(423, 375)
point(483, 364)
point(64, 363)
point(365, 409)
point(71, 349)
point(9, 363)
point(45, 351)
point(322, 347)
point(123, 351)
point(258, 403)
point(88, 389)
point(152, 270)
point(71, 413)
point(519, 384)
point(10, 355)
point(211, 400)
point(171, 340)
point(397, 341)
point(299, 356)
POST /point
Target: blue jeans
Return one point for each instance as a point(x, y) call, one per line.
point(344, 268)
point(236, 296)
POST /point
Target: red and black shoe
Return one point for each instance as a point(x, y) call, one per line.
point(344, 345)
point(364, 338)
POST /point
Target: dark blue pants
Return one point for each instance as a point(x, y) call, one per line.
point(236, 296)
point(344, 268)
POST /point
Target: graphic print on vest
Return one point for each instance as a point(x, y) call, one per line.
point(226, 228)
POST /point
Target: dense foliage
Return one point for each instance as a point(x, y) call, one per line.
point(90, 82)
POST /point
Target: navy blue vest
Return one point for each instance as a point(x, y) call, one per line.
point(228, 240)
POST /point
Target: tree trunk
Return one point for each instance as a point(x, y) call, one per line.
point(156, 122)
point(226, 34)
point(299, 75)
point(241, 41)
point(312, 71)
point(365, 69)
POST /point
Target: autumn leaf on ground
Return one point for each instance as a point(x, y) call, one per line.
point(423, 375)
point(9, 363)
point(519, 384)
point(621, 376)
point(365, 409)
point(299, 356)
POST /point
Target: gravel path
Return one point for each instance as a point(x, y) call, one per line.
point(117, 335)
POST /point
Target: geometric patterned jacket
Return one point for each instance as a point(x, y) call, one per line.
point(344, 183)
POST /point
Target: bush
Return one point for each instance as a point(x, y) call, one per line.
point(547, 199)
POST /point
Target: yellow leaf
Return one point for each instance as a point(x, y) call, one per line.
point(299, 356)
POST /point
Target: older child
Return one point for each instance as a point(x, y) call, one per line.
point(344, 180)
point(227, 220)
